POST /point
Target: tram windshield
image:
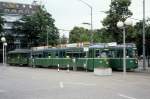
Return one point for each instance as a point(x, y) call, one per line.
point(118, 53)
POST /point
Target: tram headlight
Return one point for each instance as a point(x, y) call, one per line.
point(136, 61)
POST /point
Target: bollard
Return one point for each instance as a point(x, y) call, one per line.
point(68, 68)
point(85, 66)
point(58, 68)
point(33, 65)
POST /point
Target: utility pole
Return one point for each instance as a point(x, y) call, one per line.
point(91, 24)
point(144, 58)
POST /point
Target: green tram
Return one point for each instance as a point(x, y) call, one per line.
point(116, 57)
point(19, 57)
point(75, 58)
point(94, 56)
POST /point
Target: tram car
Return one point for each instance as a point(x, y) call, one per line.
point(75, 58)
point(116, 57)
point(19, 57)
point(94, 56)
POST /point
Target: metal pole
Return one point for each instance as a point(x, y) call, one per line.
point(47, 38)
point(144, 66)
point(3, 54)
point(91, 39)
point(124, 51)
point(91, 24)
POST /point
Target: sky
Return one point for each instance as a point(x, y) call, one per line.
point(70, 13)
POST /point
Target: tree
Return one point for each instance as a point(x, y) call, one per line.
point(36, 27)
point(139, 36)
point(118, 12)
point(79, 34)
point(102, 36)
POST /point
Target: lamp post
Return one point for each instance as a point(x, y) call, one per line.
point(5, 50)
point(47, 39)
point(3, 39)
point(47, 36)
point(144, 59)
point(123, 25)
point(91, 8)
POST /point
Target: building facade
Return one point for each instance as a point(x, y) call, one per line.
point(12, 12)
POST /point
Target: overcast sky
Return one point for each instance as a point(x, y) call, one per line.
point(70, 13)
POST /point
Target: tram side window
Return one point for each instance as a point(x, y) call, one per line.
point(69, 54)
point(56, 54)
point(24, 55)
point(40, 55)
point(62, 54)
point(112, 54)
point(97, 53)
point(75, 55)
point(119, 53)
point(45, 54)
point(82, 55)
point(103, 54)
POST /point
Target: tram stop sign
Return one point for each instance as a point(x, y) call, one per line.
point(86, 49)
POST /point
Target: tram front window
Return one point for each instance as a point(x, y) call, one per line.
point(131, 53)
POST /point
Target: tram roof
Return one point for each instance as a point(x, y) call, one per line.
point(20, 51)
point(67, 48)
point(98, 46)
point(128, 45)
point(107, 45)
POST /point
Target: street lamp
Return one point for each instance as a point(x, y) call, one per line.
point(144, 58)
point(91, 8)
point(3, 39)
point(123, 25)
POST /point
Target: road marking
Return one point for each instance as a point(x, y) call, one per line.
point(125, 96)
point(78, 83)
point(2, 91)
point(61, 84)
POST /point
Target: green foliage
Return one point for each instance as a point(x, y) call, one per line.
point(35, 28)
point(139, 36)
point(118, 12)
point(102, 36)
point(79, 34)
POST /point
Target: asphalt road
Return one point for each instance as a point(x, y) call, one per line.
point(39, 83)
